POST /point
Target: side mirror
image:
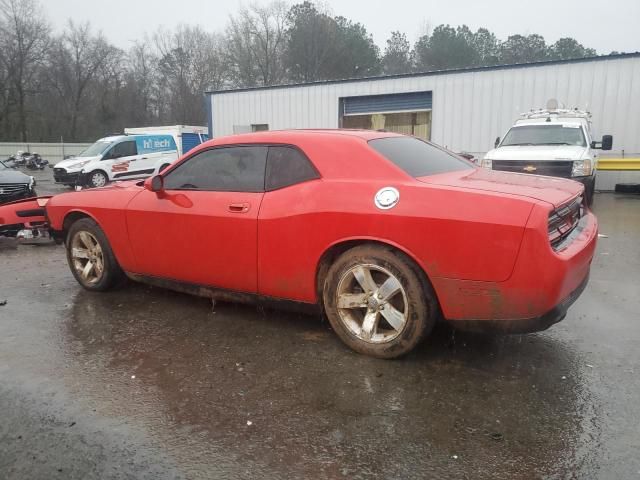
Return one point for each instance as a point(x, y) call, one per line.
point(154, 184)
point(607, 142)
point(497, 142)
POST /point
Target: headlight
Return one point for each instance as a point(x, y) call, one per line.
point(581, 168)
point(486, 163)
point(79, 164)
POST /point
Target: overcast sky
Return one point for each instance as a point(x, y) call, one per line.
point(605, 25)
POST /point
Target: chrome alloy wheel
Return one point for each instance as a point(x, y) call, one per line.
point(372, 303)
point(87, 257)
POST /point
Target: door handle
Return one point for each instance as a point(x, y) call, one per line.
point(239, 207)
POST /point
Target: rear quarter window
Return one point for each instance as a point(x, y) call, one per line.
point(417, 157)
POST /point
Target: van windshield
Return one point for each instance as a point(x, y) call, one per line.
point(545, 135)
point(96, 149)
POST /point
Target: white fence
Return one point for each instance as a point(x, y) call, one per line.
point(54, 152)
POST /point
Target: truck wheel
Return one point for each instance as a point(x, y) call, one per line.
point(98, 178)
point(377, 302)
point(90, 257)
point(589, 191)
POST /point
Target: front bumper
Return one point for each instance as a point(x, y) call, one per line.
point(60, 175)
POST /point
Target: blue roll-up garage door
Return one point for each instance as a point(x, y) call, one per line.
point(395, 102)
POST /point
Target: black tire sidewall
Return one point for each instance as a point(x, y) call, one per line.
point(112, 271)
point(422, 309)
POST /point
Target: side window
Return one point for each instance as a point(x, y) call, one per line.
point(225, 169)
point(287, 166)
point(123, 149)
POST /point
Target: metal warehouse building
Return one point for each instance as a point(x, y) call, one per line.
point(464, 110)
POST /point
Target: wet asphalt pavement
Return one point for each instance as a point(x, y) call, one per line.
point(147, 383)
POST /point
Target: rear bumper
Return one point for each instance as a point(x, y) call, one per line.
point(524, 325)
point(542, 286)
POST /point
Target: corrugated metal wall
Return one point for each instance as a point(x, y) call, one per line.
point(50, 151)
point(470, 109)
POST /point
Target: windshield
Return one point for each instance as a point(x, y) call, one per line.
point(3, 166)
point(545, 135)
point(417, 157)
point(97, 148)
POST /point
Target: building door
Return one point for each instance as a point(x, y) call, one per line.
point(407, 113)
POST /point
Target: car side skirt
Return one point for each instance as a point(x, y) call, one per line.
point(224, 295)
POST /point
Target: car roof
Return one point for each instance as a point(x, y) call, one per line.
point(286, 136)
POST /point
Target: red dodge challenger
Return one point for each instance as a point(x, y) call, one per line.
point(385, 233)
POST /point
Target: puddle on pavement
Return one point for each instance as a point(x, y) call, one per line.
point(462, 405)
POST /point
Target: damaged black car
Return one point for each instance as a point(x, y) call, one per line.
point(15, 185)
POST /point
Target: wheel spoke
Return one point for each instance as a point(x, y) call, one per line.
point(88, 268)
point(369, 325)
point(394, 317)
point(363, 277)
point(389, 288)
point(352, 300)
point(79, 253)
point(86, 240)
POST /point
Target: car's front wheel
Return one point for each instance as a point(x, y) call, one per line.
point(90, 257)
point(98, 178)
point(377, 302)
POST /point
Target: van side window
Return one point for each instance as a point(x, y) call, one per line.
point(287, 166)
point(123, 149)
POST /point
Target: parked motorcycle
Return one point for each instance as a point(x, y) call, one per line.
point(35, 162)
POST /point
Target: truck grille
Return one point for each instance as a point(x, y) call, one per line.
point(551, 168)
point(563, 220)
point(13, 191)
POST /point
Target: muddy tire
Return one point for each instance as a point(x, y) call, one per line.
point(378, 301)
point(98, 178)
point(90, 257)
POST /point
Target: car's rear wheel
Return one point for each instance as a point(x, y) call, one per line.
point(98, 178)
point(90, 257)
point(377, 302)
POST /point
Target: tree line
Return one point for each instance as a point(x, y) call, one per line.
point(77, 86)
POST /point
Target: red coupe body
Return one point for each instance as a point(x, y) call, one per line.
point(487, 241)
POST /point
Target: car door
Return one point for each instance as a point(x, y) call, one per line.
point(121, 160)
point(202, 228)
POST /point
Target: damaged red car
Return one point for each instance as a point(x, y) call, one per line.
point(386, 234)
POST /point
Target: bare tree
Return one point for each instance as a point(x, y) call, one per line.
point(75, 60)
point(190, 61)
point(25, 37)
point(256, 41)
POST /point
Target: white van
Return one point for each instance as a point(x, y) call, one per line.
point(554, 142)
point(119, 157)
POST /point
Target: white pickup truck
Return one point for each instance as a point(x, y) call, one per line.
point(553, 142)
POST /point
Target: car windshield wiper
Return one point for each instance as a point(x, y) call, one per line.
point(516, 144)
point(556, 143)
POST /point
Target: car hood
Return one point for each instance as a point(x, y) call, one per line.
point(12, 176)
point(555, 191)
point(72, 161)
point(538, 152)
